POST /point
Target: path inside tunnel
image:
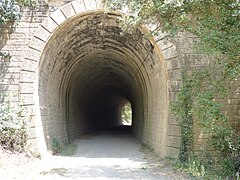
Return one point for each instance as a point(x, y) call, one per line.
point(109, 155)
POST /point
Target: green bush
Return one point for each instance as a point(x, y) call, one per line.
point(10, 9)
point(207, 113)
point(56, 145)
point(13, 134)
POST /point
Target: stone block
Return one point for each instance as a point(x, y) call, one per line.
point(29, 65)
point(58, 17)
point(68, 10)
point(33, 54)
point(90, 5)
point(172, 120)
point(200, 141)
point(201, 147)
point(31, 133)
point(172, 152)
point(175, 74)
point(173, 141)
point(42, 33)
point(49, 24)
point(173, 63)
point(28, 111)
point(169, 53)
point(172, 96)
point(99, 4)
point(27, 99)
point(37, 44)
point(164, 44)
point(27, 76)
point(174, 86)
point(26, 87)
point(174, 130)
point(79, 6)
point(32, 147)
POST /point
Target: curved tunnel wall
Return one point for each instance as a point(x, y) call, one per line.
point(89, 68)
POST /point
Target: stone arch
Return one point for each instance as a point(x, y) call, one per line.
point(158, 71)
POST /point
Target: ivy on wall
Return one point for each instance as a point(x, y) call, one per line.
point(10, 9)
point(13, 132)
point(196, 102)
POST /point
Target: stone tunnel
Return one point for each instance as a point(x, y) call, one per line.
point(74, 69)
point(89, 69)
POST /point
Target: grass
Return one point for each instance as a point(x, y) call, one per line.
point(68, 149)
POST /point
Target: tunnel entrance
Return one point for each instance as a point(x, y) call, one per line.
point(90, 72)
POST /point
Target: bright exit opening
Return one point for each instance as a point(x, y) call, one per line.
point(127, 114)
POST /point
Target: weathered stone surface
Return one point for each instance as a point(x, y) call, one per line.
point(29, 65)
point(90, 5)
point(174, 141)
point(42, 33)
point(49, 24)
point(37, 44)
point(27, 98)
point(32, 54)
point(174, 130)
point(173, 64)
point(58, 16)
point(79, 6)
point(68, 10)
point(27, 76)
point(64, 58)
point(174, 86)
point(172, 152)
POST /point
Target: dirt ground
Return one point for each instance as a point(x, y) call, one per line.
point(105, 156)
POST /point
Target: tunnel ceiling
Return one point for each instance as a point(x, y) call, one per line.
point(92, 51)
point(89, 62)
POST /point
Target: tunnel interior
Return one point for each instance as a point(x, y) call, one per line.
point(103, 111)
point(90, 69)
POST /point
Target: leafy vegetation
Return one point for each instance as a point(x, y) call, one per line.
point(64, 149)
point(13, 134)
point(127, 114)
point(201, 107)
point(10, 9)
point(56, 145)
point(216, 24)
point(68, 150)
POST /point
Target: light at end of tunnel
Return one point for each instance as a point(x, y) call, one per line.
point(127, 114)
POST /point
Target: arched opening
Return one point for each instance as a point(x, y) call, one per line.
point(126, 114)
point(90, 69)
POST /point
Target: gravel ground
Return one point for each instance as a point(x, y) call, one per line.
point(107, 156)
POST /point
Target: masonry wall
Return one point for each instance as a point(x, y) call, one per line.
point(24, 43)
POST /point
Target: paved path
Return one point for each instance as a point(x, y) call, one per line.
point(103, 157)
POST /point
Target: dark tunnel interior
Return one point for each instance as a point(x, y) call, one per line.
point(99, 98)
point(104, 109)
